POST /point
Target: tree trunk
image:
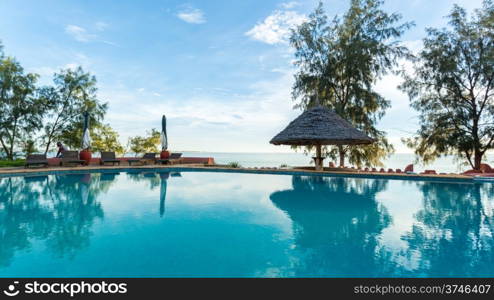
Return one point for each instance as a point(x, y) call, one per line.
point(4, 146)
point(342, 156)
point(47, 147)
point(477, 160)
point(477, 155)
point(10, 155)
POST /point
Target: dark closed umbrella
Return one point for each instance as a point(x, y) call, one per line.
point(164, 137)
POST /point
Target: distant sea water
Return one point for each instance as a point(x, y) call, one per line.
point(399, 160)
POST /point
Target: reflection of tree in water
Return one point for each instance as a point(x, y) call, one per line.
point(22, 216)
point(336, 225)
point(148, 177)
point(57, 209)
point(455, 233)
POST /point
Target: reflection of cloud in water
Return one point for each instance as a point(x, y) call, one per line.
point(199, 194)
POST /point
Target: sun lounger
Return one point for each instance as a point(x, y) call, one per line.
point(429, 172)
point(71, 157)
point(173, 158)
point(109, 157)
point(36, 160)
point(145, 157)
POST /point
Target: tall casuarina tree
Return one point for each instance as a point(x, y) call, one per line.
point(452, 88)
point(21, 110)
point(339, 62)
point(73, 92)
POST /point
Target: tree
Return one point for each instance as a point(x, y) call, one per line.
point(339, 62)
point(74, 92)
point(143, 144)
point(21, 110)
point(28, 145)
point(106, 139)
point(452, 88)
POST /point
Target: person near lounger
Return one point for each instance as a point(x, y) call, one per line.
point(61, 150)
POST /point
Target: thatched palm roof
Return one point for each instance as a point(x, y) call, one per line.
point(320, 126)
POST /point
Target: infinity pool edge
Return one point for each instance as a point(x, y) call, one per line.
point(199, 168)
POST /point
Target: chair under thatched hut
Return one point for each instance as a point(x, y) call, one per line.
point(320, 126)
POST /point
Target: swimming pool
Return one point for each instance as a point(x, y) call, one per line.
point(181, 223)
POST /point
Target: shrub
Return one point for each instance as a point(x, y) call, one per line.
point(234, 164)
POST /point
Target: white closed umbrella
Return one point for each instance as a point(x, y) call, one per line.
point(86, 137)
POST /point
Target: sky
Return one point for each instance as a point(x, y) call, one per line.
point(220, 70)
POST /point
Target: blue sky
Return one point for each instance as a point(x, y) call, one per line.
point(220, 70)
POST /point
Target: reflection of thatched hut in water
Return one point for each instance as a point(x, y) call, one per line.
point(336, 223)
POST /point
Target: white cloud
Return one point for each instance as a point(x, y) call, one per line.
point(275, 29)
point(71, 66)
point(206, 121)
point(44, 71)
point(101, 26)
point(79, 33)
point(192, 15)
point(289, 5)
point(415, 46)
point(68, 60)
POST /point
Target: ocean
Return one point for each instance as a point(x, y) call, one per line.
point(399, 160)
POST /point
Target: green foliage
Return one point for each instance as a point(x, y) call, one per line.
point(143, 144)
point(452, 88)
point(234, 164)
point(73, 92)
point(21, 110)
point(106, 139)
point(57, 109)
point(12, 163)
point(28, 146)
point(340, 61)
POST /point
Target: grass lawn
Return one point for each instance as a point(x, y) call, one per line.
point(12, 163)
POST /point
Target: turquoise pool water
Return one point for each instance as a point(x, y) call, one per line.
point(191, 224)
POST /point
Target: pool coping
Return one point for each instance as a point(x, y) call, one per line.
point(15, 172)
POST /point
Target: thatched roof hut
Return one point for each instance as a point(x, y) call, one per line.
point(320, 126)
